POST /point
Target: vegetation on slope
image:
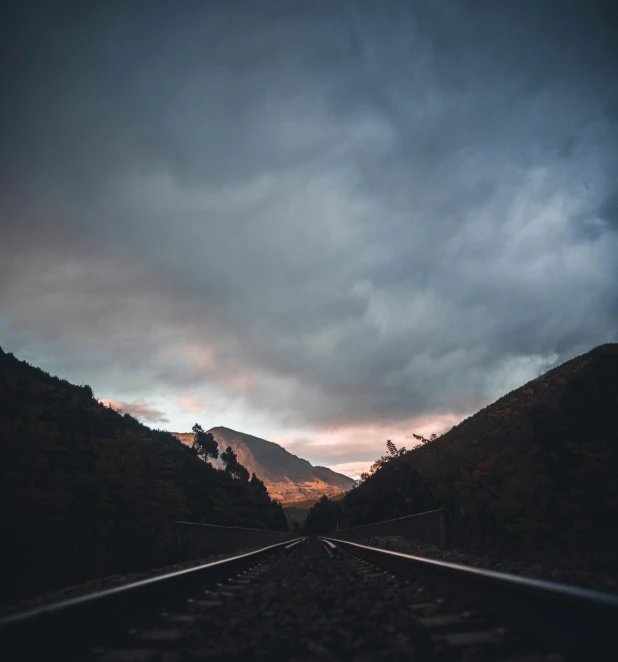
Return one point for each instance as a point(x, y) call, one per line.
point(538, 467)
point(298, 511)
point(90, 492)
point(292, 479)
point(323, 517)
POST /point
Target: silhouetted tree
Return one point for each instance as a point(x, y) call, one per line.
point(423, 440)
point(233, 466)
point(204, 443)
point(323, 517)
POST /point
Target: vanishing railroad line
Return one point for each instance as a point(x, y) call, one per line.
point(322, 599)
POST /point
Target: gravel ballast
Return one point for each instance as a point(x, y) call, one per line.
point(313, 605)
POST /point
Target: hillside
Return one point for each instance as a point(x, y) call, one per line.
point(586, 383)
point(288, 478)
point(90, 492)
point(297, 511)
point(537, 467)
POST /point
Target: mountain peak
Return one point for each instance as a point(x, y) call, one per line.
point(287, 477)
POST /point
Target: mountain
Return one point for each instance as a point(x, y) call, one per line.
point(583, 388)
point(91, 492)
point(537, 468)
point(288, 478)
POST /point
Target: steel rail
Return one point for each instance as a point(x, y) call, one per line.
point(576, 618)
point(75, 623)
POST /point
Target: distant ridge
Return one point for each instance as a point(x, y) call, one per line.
point(287, 477)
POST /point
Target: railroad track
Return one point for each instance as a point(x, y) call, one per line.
point(322, 599)
point(502, 614)
point(134, 621)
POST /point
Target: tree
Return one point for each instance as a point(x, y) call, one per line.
point(233, 466)
point(423, 440)
point(204, 443)
point(322, 517)
point(379, 463)
point(393, 451)
point(230, 458)
point(258, 488)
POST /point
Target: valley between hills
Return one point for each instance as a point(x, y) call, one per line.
point(532, 475)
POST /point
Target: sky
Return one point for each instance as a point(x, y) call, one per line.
point(327, 224)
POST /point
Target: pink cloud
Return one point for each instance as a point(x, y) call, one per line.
point(352, 469)
point(353, 447)
point(137, 408)
point(193, 404)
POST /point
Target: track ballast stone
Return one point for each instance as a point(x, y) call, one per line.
point(308, 605)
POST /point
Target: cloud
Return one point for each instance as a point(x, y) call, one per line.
point(335, 220)
point(192, 404)
point(137, 408)
point(334, 446)
point(351, 469)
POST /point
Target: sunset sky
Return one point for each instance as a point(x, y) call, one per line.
point(325, 223)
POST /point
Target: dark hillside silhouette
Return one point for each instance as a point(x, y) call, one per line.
point(297, 512)
point(322, 517)
point(89, 492)
point(538, 467)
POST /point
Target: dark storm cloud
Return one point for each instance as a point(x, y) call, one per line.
point(337, 215)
